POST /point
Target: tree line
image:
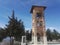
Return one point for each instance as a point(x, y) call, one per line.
point(15, 28)
point(51, 35)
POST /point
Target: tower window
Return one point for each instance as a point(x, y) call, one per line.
point(38, 15)
point(39, 23)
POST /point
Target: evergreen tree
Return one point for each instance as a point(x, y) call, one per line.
point(28, 35)
point(49, 35)
point(3, 34)
point(31, 35)
point(56, 35)
point(52, 35)
point(15, 27)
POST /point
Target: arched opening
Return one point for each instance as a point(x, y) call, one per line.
point(38, 15)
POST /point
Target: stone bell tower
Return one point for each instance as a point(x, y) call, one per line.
point(38, 23)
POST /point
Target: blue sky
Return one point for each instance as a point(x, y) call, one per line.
point(22, 11)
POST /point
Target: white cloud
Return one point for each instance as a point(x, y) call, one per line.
point(27, 28)
point(52, 28)
point(2, 25)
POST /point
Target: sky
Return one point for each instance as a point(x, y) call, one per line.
point(22, 11)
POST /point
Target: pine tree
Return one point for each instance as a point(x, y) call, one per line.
point(15, 27)
point(2, 34)
point(49, 35)
point(28, 35)
point(55, 35)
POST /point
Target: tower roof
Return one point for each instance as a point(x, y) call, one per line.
point(36, 6)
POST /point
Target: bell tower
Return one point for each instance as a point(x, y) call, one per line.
point(38, 23)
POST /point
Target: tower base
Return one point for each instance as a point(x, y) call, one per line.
point(43, 41)
point(34, 39)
